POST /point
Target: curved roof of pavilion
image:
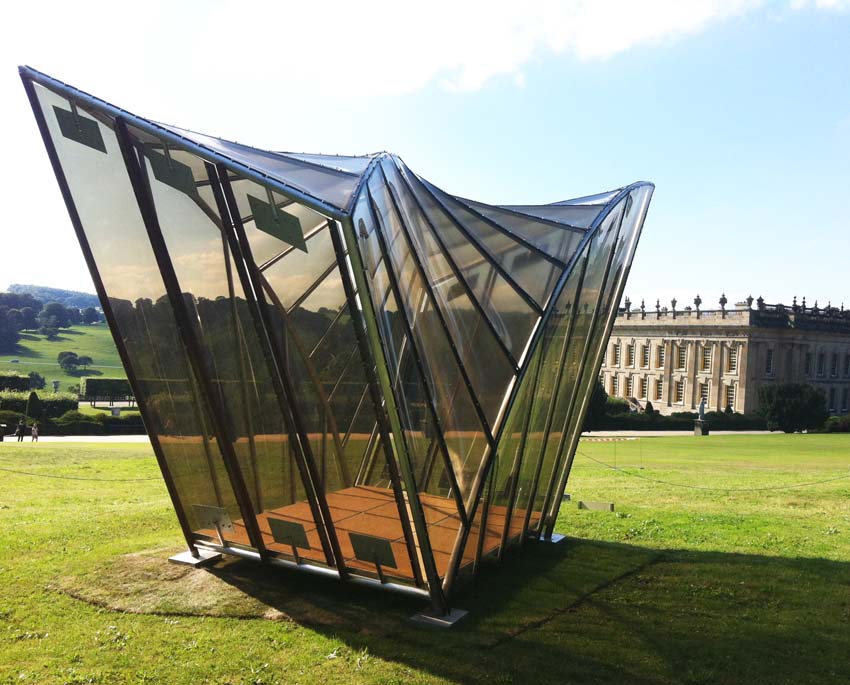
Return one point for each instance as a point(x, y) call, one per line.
point(458, 338)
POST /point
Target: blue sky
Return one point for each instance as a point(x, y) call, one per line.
point(739, 111)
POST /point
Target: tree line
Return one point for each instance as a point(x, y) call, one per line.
point(21, 312)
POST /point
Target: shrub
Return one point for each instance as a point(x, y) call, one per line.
point(792, 407)
point(75, 415)
point(837, 424)
point(617, 405)
point(51, 404)
point(14, 381)
point(92, 389)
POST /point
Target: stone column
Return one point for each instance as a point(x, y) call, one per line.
point(692, 391)
point(717, 401)
point(743, 402)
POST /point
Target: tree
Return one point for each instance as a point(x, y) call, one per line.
point(91, 315)
point(68, 360)
point(16, 319)
point(649, 409)
point(596, 407)
point(75, 318)
point(54, 315)
point(84, 361)
point(34, 406)
point(9, 335)
point(792, 407)
point(37, 381)
point(29, 316)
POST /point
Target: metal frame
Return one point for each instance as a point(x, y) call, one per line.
point(405, 194)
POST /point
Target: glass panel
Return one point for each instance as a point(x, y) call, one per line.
point(325, 184)
point(509, 315)
point(325, 366)
point(632, 210)
point(579, 215)
point(462, 432)
point(556, 241)
point(510, 449)
point(532, 272)
point(145, 324)
point(488, 368)
point(558, 375)
point(354, 165)
point(420, 434)
point(211, 286)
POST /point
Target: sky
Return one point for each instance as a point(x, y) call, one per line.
point(738, 111)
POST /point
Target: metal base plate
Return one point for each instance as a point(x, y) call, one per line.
point(427, 618)
point(204, 558)
point(555, 539)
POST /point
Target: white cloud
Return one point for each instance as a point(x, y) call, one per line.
point(388, 47)
point(840, 5)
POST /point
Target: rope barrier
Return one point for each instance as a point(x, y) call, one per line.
point(703, 487)
point(99, 480)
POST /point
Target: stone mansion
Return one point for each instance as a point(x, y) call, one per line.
point(674, 358)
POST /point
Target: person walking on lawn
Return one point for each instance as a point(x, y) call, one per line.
point(19, 430)
point(34, 431)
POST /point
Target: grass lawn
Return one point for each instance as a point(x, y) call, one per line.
point(714, 575)
point(36, 353)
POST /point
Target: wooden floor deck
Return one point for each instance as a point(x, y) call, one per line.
point(373, 511)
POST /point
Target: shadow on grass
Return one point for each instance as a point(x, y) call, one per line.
point(81, 373)
point(596, 612)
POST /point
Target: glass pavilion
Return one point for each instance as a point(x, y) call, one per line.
point(342, 368)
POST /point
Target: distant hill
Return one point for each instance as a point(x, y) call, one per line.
point(69, 298)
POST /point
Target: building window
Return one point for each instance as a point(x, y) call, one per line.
point(768, 364)
point(680, 392)
point(821, 364)
point(615, 385)
point(847, 364)
point(630, 355)
point(659, 357)
point(643, 388)
point(682, 359)
point(706, 358)
point(808, 367)
point(832, 399)
point(659, 389)
point(845, 399)
point(730, 396)
point(732, 363)
point(644, 356)
point(615, 354)
point(833, 371)
point(630, 387)
point(703, 392)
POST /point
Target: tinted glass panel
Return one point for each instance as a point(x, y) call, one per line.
point(145, 323)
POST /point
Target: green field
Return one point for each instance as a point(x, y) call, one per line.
point(36, 353)
point(734, 569)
